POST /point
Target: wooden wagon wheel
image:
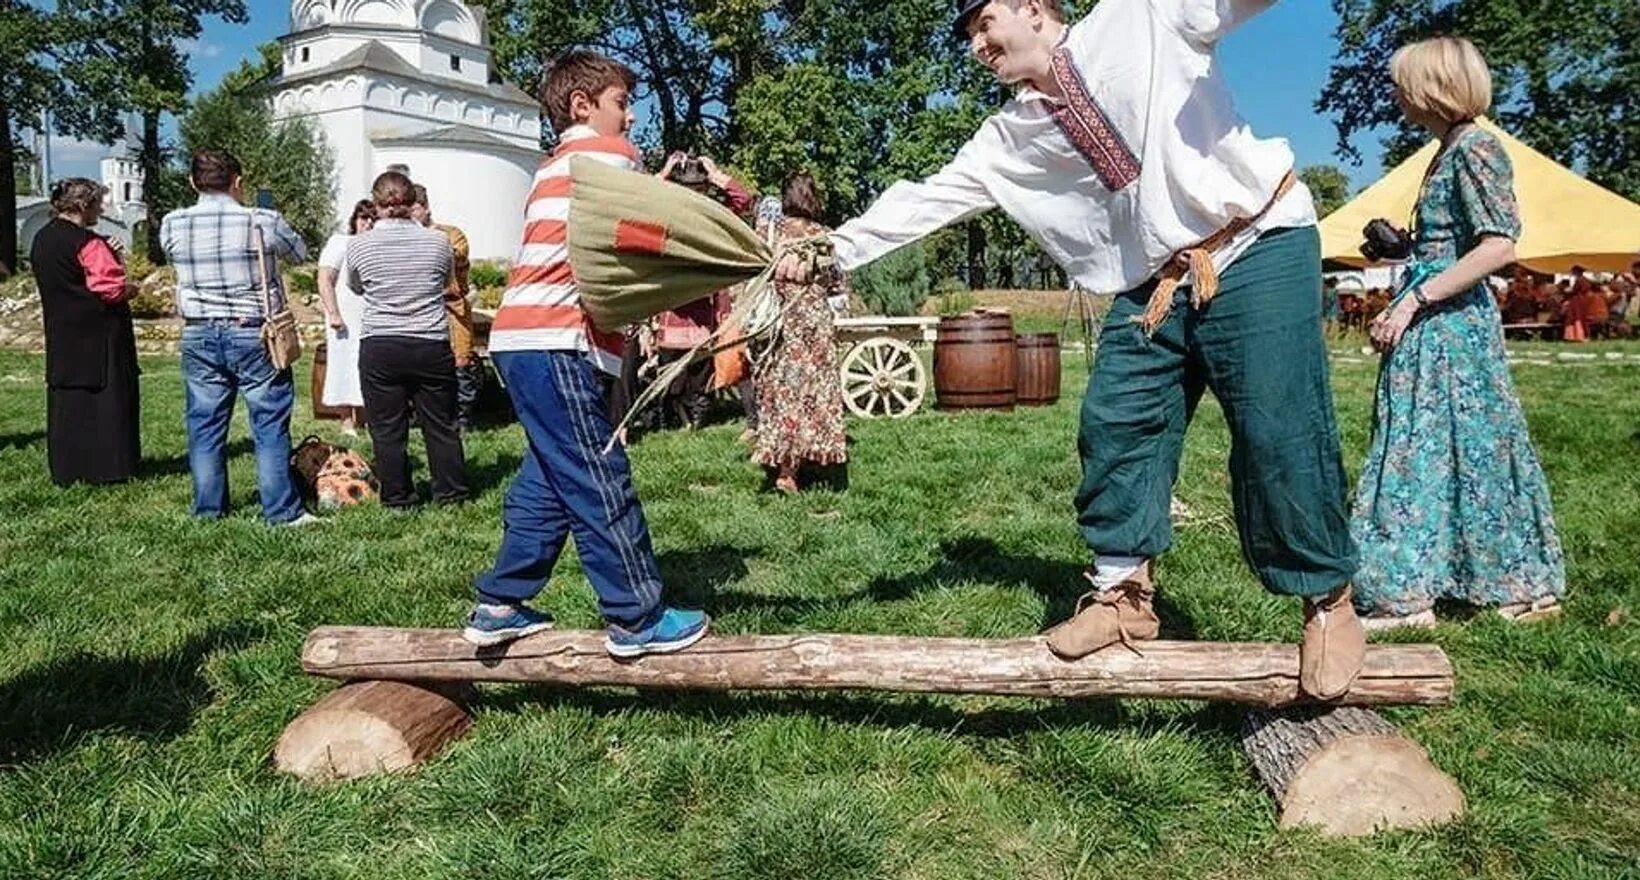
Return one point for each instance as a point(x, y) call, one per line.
point(883, 376)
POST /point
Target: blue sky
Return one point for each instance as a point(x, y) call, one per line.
point(1277, 65)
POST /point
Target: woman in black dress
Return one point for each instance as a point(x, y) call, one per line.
point(92, 433)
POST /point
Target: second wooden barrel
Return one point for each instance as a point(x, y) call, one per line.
point(321, 359)
point(975, 362)
point(1037, 376)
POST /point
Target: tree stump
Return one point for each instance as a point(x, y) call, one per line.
point(367, 727)
point(1348, 771)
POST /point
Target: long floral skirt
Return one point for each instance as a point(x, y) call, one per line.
point(799, 389)
point(1452, 502)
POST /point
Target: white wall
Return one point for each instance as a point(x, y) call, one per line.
point(481, 193)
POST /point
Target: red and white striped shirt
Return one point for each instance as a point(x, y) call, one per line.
point(541, 308)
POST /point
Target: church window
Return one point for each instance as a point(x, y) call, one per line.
point(127, 196)
point(305, 52)
point(455, 63)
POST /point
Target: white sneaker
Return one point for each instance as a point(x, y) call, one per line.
point(306, 519)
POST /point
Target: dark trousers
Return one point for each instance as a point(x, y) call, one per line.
point(686, 398)
point(1257, 346)
point(469, 383)
point(396, 372)
point(567, 486)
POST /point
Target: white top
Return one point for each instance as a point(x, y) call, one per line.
point(348, 301)
point(1145, 155)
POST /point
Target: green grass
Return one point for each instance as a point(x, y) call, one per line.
point(150, 662)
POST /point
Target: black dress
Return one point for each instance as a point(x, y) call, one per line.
point(92, 410)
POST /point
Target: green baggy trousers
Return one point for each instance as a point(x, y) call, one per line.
point(1258, 347)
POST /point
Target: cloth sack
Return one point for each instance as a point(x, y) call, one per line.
point(640, 246)
point(332, 476)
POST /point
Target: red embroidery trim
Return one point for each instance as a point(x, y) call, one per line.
point(1089, 129)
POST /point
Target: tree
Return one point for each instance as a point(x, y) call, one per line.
point(133, 62)
point(288, 157)
point(1566, 75)
point(1328, 184)
point(29, 84)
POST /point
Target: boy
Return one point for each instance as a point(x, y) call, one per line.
point(546, 351)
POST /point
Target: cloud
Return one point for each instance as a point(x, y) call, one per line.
point(200, 48)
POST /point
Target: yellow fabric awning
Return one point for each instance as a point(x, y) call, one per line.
point(1566, 220)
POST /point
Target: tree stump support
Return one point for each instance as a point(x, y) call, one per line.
point(1347, 771)
point(367, 727)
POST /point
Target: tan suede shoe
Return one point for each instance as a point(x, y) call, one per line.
point(1122, 613)
point(1333, 648)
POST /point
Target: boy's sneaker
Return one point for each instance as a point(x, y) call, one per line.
point(491, 625)
point(674, 630)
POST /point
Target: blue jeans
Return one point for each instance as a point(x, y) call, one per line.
point(569, 486)
point(219, 362)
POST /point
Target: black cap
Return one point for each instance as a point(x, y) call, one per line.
point(965, 11)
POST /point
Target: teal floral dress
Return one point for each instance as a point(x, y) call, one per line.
point(1452, 503)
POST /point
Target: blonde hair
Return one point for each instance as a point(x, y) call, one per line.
point(1445, 77)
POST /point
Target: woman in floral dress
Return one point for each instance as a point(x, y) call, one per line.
point(1452, 503)
point(799, 391)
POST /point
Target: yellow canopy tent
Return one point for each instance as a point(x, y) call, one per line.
point(1566, 219)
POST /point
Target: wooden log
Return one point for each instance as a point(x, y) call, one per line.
point(369, 727)
point(1348, 771)
point(1257, 673)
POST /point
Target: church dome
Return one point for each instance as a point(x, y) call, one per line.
point(452, 19)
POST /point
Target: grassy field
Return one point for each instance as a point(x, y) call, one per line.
point(150, 661)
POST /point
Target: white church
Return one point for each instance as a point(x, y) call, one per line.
point(409, 83)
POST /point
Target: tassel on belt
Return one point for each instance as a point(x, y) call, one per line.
point(1198, 262)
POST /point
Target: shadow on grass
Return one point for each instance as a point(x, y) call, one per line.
point(22, 440)
point(940, 715)
point(177, 465)
point(494, 474)
point(695, 578)
point(48, 708)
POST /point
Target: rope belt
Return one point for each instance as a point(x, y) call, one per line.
point(1198, 261)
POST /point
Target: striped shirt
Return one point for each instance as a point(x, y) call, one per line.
point(209, 244)
point(401, 268)
point(541, 308)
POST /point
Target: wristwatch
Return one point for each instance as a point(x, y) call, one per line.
point(1418, 294)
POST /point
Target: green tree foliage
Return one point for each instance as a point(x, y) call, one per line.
point(1328, 184)
point(132, 60)
point(288, 157)
point(30, 39)
point(860, 93)
point(1566, 75)
point(897, 284)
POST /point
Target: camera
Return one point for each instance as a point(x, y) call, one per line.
point(1385, 242)
point(689, 171)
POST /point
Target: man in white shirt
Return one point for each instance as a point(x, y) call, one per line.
point(1123, 156)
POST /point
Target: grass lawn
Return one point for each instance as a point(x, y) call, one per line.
point(150, 662)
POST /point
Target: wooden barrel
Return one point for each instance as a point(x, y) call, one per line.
point(321, 356)
point(975, 362)
point(1038, 372)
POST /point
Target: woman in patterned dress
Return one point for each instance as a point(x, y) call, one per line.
point(799, 391)
point(1452, 503)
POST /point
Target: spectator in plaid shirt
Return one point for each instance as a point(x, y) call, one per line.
point(220, 299)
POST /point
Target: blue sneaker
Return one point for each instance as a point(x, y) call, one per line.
point(486, 627)
point(674, 630)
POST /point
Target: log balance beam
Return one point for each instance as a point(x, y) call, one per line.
point(1340, 767)
point(1260, 674)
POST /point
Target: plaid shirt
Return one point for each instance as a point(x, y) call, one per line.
point(210, 246)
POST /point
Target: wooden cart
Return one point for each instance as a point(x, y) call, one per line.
point(883, 376)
